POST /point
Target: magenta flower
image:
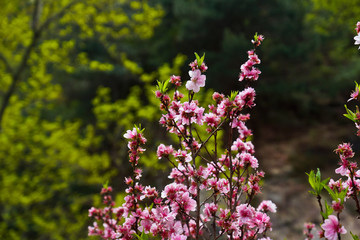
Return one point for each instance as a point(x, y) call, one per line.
point(332, 227)
point(197, 80)
point(245, 213)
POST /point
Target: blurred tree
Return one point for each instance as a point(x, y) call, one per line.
point(295, 55)
point(51, 167)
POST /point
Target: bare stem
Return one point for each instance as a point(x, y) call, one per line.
point(321, 207)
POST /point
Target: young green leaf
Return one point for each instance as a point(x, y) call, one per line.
point(198, 59)
point(354, 236)
point(350, 115)
point(162, 86)
point(106, 184)
point(143, 236)
point(328, 210)
point(315, 182)
point(233, 95)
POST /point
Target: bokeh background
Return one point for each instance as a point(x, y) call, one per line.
point(76, 74)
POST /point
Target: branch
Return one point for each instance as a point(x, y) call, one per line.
point(36, 15)
point(7, 64)
point(57, 15)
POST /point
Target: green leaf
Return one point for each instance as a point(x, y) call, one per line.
point(162, 86)
point(256, 36)
point(106, 184)
point(198, 59)
point(233, 95)
point(313, 193)
point(331, 192)
point(315, 182)
point(143, 236)
point(311, 178)
point(138, 128)
point(350, 115)
point(328, 210)
point(354, 236)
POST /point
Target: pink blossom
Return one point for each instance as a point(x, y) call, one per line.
point(210, 209)
point(131, 134)
point(188, 204)
point(248, 71)
point(357, 27)
point(357, 39)
point(164, 151)
point(332, 227)
point(182, 156)
point(261, 221)
point(190, 113)
point(267, 206)
point(212, 119)
point(343, 169)
point(176, 80)
point(178, 237)
point(171, 190)
point(150, 192)
point(345, 150)
point(194, 65)
point(337, 206)
point(245, 213)
point(247, 158)
point(355, 94)
point(258, 39)
point(196, 81)
point(247, 97)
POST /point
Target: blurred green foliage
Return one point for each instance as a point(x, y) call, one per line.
point(52, 163)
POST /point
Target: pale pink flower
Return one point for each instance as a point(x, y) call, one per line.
point(164, 151)
point(188, 204)
point(267, 206)
point(197, 80)
point(182, 156)
point(210, 209)
point(357, 40)
point(343, 169)
point(131, 134)
point(357, 27)
point(178, 237)
point(332, 227)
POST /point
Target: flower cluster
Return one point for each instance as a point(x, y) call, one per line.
point(308, 227)
point(342, 189)
point(248, 71)
point(197, 79)
point(211, 192)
